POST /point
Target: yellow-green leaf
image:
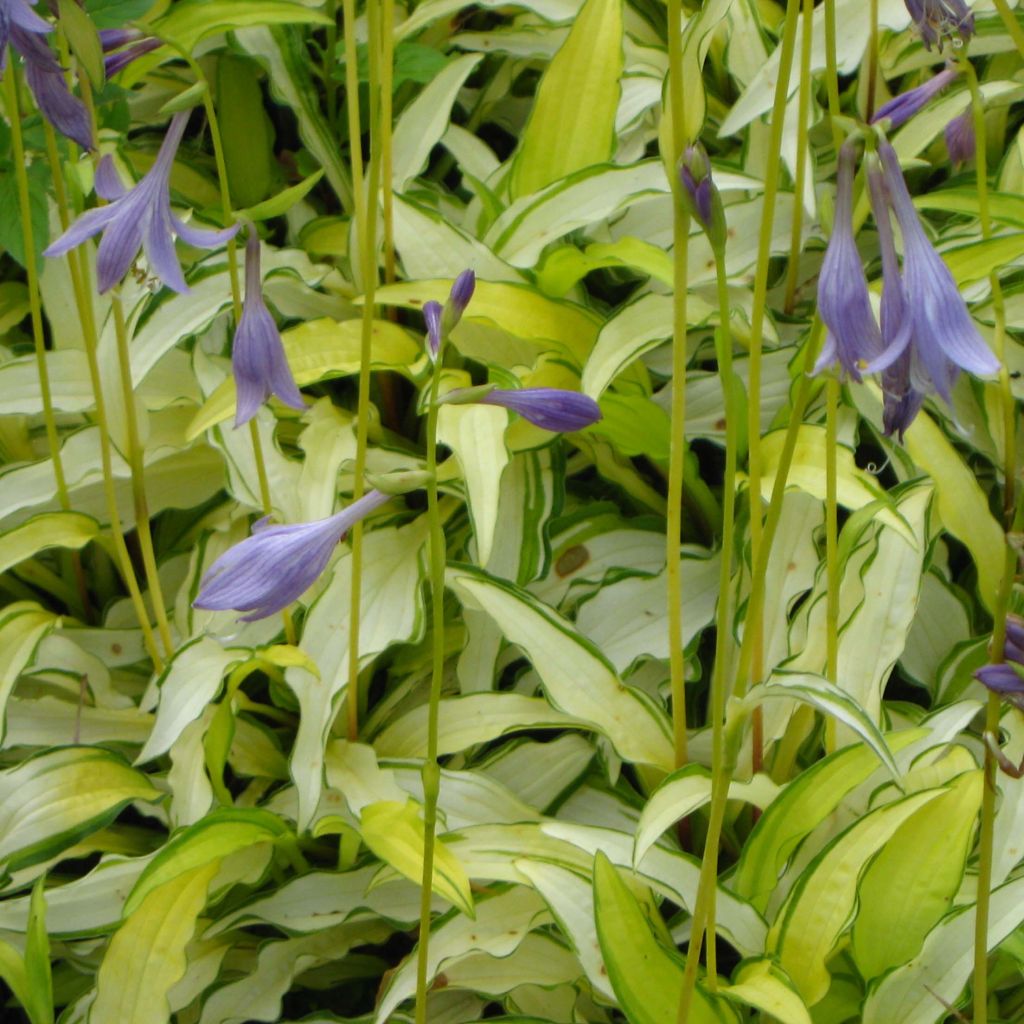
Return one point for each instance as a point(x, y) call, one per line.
point(760, 983)
point(146, 956)
point(317, 350)
point(48, 530)
point(395, 833)
point(572, 124)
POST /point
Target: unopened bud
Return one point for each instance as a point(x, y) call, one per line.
point(700, 195)
point(399, 481)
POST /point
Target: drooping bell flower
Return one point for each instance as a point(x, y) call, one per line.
point(140, 218)
point(901, 400)
point(943, 337)
point(22, 28)
point(938, 20)
point(115, 58)
point(552, 409)
point(700, 194)
point(277, 564)
point(959, 136)
point(257, 353)
point(904, 106)
point(853, 337)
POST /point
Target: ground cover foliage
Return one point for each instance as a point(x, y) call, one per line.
point(692, 715)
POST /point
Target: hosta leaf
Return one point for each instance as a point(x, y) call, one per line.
point(577, 678)
point(210, 840)
point(646, 977)
point(38, 974)
point(572, 123)
point(50, 801)
point(912, 882)
point(146, 956)
point(395, 833)
point(801, 806)
point(760, 983)
point(190, 21)
point(819, 906)
point(22, 625)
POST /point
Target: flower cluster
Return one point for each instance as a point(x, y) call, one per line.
point(938, 20)
point(1007, 678)
point(926, 334)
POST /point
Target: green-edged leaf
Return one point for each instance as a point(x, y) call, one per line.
point(50, 801)
point(22, 625)
point(760, 984)
point(395, 833)
point(48, 530)
point(191, 21)
point(821, 903)
point(277, 205)
point(572, 123)
point(578, 680)
point(646, 977)
point(37, 959)
point(146, 956)
point(801, 806)
point(209, 840)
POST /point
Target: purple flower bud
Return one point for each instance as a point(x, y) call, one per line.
point(45, 78)
point(700, 194)
point(1005, 680)
point(257, 353)
point(115, 38)
point(937, 20)
point(550, 408)
point(1015, 638)
point(853, 336)
point(115, 62)
point(277, 564)
point(959, 136)
point(903, 107)
point(943, 336)
point(433, 314)
point(141, 218)
point(461, 293)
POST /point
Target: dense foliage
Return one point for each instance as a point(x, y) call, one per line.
point(509, 511)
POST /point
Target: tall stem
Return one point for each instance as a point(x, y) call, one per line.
point(753, 627)
point(136, 463)
point(227, 214)
point(1011, 24)
point(986, 836)
point(330, 59)
point(869, 105)
point(78, 269)
point(723, 629)
point(387, 56)
point(11, 101)
point(431, 769)
point(832, 395)
point(366, 227)
point(677, 453)
point(802, 157)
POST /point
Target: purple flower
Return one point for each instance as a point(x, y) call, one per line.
point(277, 564)
point(115, 62)
point(938, 19)
point(943, 337)
point(432, 314)
point(903, 107)
point(22, 27)
point(1014, 649)
point(1005, 680)
point(853, 336)
point(140, 218)
point(550, 408)
point(462, 291)
point(257, 353)
point(959, 136)
point(901, 401)
point(700, 194)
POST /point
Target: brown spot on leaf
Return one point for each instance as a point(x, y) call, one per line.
point(572, 559)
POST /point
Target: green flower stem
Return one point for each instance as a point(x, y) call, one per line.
point(723, 615)
point(330, 85)
point(753, 631)
point(869, 104)
point(986, 832)
point(386, 136)
point(799, 185)
point(431, 769)
point(227, 214)
point(78, 268)
point(367, 239)
point(11, 101)
point(677, 452)
point(1011, 24)
point(137, 466)
point(832, 390)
